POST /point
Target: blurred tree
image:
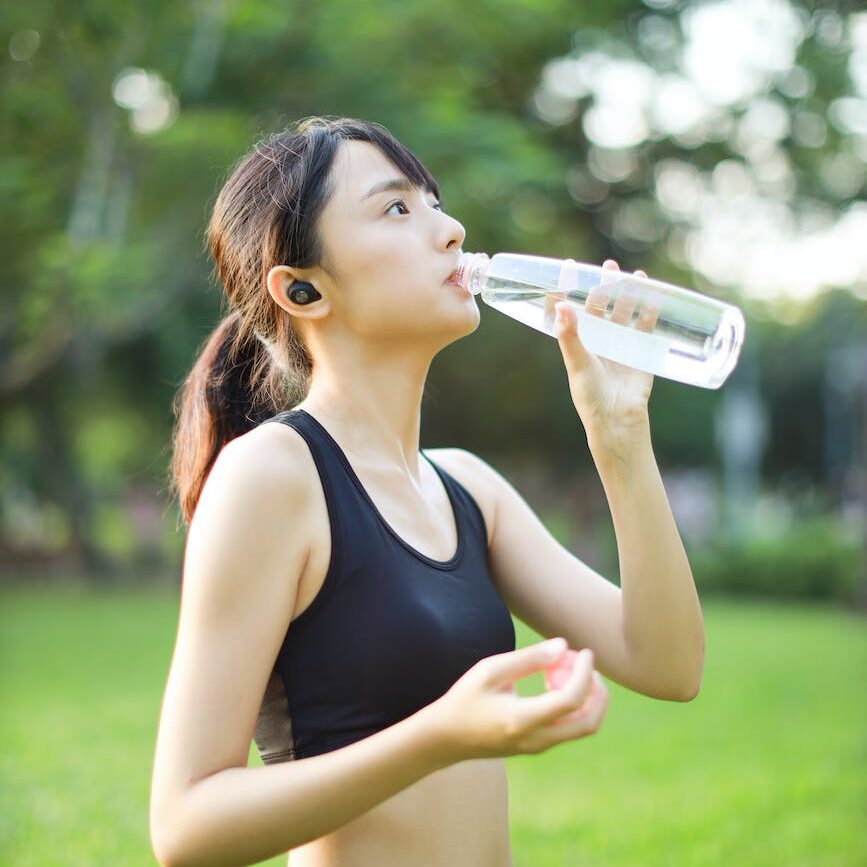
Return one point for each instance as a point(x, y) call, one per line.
point(121, 121)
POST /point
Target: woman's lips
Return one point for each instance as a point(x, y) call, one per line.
point(458, 286)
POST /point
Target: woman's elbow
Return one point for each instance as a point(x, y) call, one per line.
point(165, 852)
point(165, 838)
point(170, 854)
point(689, 694)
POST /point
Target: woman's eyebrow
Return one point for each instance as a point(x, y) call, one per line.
point(389, 184)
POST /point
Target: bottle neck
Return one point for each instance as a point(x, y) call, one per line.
point(470, 271)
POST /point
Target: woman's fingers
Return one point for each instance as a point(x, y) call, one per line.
point(627, 299)
point(624, 307)
point(548, 310)
point(648, 315)
point(538, 710)
point(599, 297)
point(591, 711)
point(503, 669)
point(482, 716)
point(585, 720)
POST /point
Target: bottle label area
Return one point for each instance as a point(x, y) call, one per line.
point(625, 345)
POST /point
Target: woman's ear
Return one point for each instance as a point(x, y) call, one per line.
point(279, 281)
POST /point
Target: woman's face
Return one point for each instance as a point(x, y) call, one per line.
point(390, 253)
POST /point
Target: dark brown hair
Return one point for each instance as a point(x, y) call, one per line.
point(253, 365)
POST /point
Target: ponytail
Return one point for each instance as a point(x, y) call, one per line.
point(234, 385)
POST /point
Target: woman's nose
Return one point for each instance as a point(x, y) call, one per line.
point(453, 232)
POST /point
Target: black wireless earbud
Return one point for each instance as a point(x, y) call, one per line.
point(302, 292)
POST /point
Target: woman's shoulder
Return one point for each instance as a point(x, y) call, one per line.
point(256, 502)
point(270, 457)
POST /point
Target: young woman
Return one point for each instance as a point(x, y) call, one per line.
point(346, 597)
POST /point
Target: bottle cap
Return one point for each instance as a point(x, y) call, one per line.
point(467, 271)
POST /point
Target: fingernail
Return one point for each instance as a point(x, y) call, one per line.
point(554, 647)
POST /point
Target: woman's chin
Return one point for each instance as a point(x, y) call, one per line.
point(472, 320)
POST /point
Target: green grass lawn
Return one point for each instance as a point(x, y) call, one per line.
point(768, 766)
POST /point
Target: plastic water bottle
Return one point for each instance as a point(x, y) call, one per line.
point(643, 323)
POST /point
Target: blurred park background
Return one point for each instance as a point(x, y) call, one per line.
point(719, 144)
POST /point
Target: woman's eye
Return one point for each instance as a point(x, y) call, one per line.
point(403, 209)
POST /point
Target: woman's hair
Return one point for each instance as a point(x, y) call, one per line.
point(254, 364)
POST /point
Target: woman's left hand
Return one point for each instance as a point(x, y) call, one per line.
point(610, 398)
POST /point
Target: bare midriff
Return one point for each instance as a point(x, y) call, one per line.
point(454, 817)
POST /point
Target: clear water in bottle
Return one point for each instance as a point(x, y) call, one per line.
point(637, 321)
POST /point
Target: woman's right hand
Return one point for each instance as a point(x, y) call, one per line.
point(481, 716)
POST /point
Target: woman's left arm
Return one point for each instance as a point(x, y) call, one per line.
point(648, 633)
point(662, 620)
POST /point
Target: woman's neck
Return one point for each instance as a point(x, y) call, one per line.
point(377, 428)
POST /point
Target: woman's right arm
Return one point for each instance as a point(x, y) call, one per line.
point(246, 549)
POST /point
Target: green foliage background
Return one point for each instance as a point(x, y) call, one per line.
point(105, 291)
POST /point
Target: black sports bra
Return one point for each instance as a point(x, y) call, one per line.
point(390, 630)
